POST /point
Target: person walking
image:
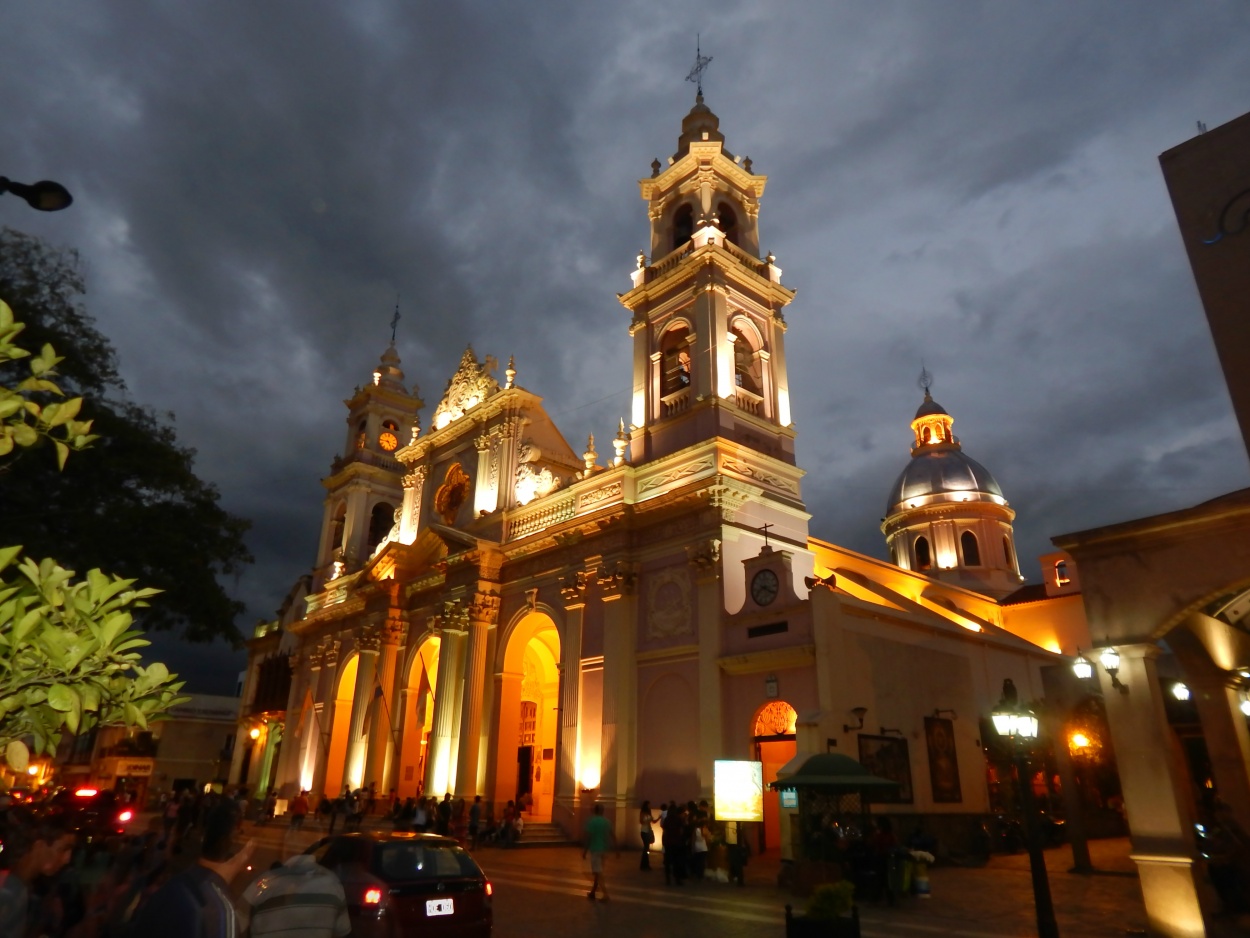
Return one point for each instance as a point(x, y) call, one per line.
point(196, 903)
point(298, 897)
point(475, 821)
point(645, 822)
point(597, 840)
point(299, 810)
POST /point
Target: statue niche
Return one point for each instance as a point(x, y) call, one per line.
point(451, 494)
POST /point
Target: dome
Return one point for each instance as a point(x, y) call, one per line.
point(699, 124)
point(940, 472)
point(930, 408)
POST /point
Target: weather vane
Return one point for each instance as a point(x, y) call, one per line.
point(395, 319)
point(925, 381)
point(701, 63)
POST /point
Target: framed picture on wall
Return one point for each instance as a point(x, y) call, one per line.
point(939, 736)
point(887, 757)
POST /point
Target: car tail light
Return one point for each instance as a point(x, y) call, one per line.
point(490, 890)
point(125, 816)
point(87, 792)
point(373, 896)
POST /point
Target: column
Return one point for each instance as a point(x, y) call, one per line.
point(382, 738)
point(236, 755)
point(1156, 796)
point(570, 686)
point(368, 643)
point(286, 776)
point(1215, 695)
point(704, 559)
point(483, 614)
point(617, 583)
point(273, 736)
point(322, 662)
point(439, 762)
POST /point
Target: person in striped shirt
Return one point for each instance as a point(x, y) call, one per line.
point(299, 898)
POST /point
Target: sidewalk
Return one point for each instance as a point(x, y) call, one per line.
point(990, 902)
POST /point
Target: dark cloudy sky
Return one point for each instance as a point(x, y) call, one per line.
point(974, 184)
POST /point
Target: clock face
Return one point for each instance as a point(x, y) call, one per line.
point(388, 440)
point(764, 587)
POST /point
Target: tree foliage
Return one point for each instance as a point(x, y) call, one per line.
point(69, 659)
point(136, 507)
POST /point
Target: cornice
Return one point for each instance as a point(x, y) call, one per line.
point(727, 265)
point(772, 659)
point(700, 152)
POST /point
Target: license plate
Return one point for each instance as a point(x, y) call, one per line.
point(439, 907)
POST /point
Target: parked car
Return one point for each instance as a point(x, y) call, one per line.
point(96, 815)
point(408, 884)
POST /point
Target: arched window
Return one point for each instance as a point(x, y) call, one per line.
point(728, 221)
point(926, 435)
point(1061, 573)
point(747, 370)
point(336, 528)
point(361, 438)
point(683, 225)
point(923, 560)
point(1007, 552)
point(381, 520)
point(675, 360)
point(971, 549)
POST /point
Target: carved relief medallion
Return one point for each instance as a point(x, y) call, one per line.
point(669, 611)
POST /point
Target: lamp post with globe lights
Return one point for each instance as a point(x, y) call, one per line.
point(1019, 725)
point(45, 196)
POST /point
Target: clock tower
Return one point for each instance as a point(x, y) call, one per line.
point(365, 486)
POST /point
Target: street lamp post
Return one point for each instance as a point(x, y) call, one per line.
point(45, 196)
point(1019, 725)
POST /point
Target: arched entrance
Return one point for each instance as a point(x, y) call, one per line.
point(341, 728)
point(529, 696)
point(418, 716)
point(773, 737)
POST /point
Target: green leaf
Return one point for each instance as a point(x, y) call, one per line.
point(60, 697)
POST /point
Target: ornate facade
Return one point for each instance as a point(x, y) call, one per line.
point(493, 613)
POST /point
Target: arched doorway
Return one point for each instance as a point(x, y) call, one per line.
point(418, 716)
point(773, 736)
point(341, 727)
point(529, 697)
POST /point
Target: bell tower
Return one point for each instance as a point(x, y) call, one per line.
point(365, 484)
point(707, 323)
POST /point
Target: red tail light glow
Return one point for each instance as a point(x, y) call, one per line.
point(125, 816)
point(490, 890)
point(87, 792)
point(373, 896)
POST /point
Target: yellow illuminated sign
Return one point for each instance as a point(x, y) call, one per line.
point(739, 790)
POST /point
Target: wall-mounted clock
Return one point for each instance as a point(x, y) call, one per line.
point(388, 441)
point(764, 587)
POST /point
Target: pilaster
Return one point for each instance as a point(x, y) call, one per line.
point(617, 589)
point(368, 644)
point(573, 592)
point(705, 566)
point(440, 763)
point(483, 613)
point(383, 744)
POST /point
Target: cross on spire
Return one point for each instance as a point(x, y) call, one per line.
point(701, 63)
point(764, 530)
point(395, 319)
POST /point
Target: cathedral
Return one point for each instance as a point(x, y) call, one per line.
point(494, 613)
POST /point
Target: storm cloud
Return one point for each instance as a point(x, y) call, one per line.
point(971, 185)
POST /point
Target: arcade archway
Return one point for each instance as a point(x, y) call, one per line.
point(529, 695)
point(420, 689)
point(336, 757)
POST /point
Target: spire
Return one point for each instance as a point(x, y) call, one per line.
point(388, 374)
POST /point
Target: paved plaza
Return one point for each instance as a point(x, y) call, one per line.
point(542, 892)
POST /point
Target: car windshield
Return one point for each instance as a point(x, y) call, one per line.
point(404, 862)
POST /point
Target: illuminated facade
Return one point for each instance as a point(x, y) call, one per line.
point(494, 613)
